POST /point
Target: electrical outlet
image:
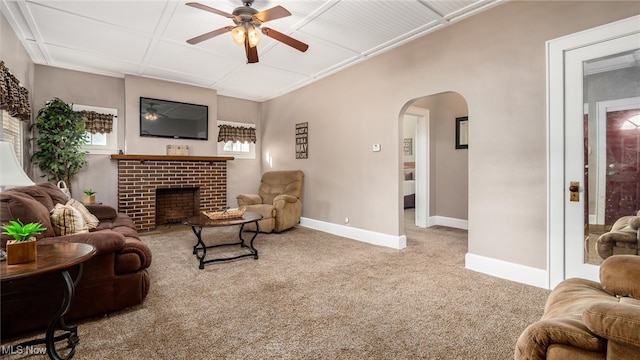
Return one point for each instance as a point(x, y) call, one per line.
point(376, 147)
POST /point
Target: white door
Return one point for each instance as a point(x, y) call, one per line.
point(585, 70)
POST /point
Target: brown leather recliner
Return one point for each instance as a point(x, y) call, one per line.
point(623, 238)
point(279, 200)
point(113, 279)
point(588, 320)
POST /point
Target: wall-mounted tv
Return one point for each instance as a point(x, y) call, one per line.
point(171, 119)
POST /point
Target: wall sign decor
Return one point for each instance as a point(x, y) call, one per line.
point(462, 132)
point(302, 140)
point(408, 146)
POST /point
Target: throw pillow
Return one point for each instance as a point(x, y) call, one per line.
point(67, 220)
point(90, 219)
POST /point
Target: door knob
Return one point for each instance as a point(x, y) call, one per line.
point(574, 191)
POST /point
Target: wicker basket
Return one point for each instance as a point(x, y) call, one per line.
point(226, 214)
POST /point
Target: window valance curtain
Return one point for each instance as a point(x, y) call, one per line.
point(96, 122)
point(14, 98)
point(236, 133)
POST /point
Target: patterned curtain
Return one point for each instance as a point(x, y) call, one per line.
point(14, 98)
point(236, 133)
point(96, 122)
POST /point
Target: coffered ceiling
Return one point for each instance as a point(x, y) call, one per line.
point(148, 38)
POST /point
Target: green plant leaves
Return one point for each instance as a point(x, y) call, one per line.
point(22, 232)
point(60, 137)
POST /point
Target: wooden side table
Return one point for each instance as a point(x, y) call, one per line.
point(53, 258)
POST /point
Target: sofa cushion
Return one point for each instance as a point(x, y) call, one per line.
point(620, 277)
point(67, 220)
point(38, 193)
point(20, 206)
point(90, 219)
point(57, 196)
point(617, 322)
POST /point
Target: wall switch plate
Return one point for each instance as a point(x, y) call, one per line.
point(376, 147)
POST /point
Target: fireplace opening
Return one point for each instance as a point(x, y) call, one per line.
point(174, 205)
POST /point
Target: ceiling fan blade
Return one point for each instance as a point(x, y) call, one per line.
point(296, 44)
point(209, 35)
point(272, 14)
point(210, 9)
point(252, 52)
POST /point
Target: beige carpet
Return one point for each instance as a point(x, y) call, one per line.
point(311, 295)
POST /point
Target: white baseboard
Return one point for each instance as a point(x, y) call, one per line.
point(449, 222)
point(371, 237)
point(506, 270)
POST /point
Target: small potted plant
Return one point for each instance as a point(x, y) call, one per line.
point(89, 197)
point(23, 246)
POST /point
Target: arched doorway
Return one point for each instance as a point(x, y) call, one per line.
point(441, 187)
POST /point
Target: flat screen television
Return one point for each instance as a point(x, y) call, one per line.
point(171, 119)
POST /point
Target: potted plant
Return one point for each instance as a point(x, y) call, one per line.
point(23, 246)
point(89, 197)
point(60, 137)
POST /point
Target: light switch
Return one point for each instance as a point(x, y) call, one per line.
point(376, 147)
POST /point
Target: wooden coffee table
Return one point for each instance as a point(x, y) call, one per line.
point(53, 258)
point(201, 221)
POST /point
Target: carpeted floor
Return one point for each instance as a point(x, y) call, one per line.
point(312, 295)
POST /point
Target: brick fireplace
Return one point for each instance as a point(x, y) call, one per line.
point(186, 184)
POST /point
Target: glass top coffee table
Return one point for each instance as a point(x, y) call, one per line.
point(201, 221)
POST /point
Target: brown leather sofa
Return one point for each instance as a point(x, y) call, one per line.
point(115, 278)
point(279, 200)
point(588, 320)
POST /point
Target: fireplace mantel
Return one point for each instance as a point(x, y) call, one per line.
point(171, 157)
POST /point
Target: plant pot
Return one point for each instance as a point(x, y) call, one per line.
point(88, 199)
point(21, 252)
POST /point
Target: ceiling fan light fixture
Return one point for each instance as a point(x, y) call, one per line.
point(238, 34)
point(254, 36)
point(246, 30)
point(151, 117)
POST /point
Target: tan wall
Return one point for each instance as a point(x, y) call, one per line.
point(136, 86)
point(15, 56)
point(496, 61)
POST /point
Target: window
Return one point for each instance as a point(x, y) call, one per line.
point(101, 143)
point(12, 132)
point(237, 149)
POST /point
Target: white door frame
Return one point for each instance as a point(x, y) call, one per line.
point(556, 183)
point(422, 165)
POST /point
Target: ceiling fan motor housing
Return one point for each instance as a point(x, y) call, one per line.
point(244, 14)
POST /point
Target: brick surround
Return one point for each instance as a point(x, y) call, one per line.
point(138, 179)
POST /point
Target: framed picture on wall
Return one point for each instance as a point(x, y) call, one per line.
point(462, 132)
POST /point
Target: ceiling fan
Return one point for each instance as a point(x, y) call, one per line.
point(247, 21)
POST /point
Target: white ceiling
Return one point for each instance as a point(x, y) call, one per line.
point(148, 38)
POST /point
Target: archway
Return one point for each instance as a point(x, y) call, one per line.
point(441, 189)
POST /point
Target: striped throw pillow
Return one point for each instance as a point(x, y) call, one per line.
point(90, 219)
point(67, 220)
